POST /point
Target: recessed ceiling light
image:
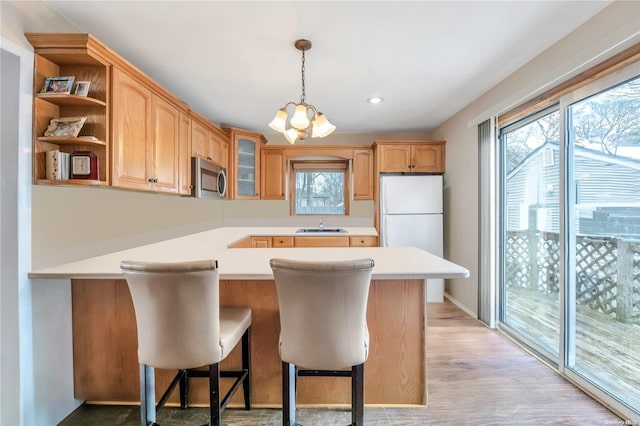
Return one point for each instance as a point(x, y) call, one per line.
point(375, 100)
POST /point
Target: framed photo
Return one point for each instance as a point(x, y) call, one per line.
point(82, 88)
point(65, 126)
point(58, 85)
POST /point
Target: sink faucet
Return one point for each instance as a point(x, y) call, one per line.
point(321, 223)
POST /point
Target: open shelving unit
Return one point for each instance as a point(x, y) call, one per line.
point(72, 55)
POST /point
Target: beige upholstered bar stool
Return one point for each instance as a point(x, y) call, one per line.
point(323, 325)
point(181, 326)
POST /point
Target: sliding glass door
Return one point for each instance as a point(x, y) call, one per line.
point(570, 236)
point(603, 297)
point(530, 293)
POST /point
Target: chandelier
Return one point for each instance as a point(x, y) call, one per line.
point(306, 120)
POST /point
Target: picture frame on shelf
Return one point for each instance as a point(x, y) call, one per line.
point(60, 85)
point(82, 88)
point(65, 126)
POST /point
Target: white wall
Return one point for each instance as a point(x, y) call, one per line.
point(22, 321)
point(611, 31)
point(10, 284)
point(95, 221)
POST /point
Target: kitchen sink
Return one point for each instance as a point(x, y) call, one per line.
point(318, 230)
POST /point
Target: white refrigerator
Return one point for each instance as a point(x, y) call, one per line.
point(411, 216)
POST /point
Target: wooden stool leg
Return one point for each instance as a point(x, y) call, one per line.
point(357, 395)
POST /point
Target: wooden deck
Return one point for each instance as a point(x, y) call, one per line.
point(607, 351)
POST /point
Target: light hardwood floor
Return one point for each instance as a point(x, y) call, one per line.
point(475, 375)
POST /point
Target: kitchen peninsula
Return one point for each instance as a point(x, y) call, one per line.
point(104, 332)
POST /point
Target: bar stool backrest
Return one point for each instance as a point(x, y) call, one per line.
point(177, 312)
point(323, 306)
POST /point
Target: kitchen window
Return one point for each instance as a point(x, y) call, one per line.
point(320, 188)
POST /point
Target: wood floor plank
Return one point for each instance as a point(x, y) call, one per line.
point(477, 376)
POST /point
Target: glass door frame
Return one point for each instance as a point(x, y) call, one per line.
point(567, 233)
point(544, 355)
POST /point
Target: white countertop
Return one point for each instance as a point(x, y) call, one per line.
point(253, 263)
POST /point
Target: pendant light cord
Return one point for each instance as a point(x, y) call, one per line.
point(302, 98)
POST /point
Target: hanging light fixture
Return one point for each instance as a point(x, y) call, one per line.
point(306, 120)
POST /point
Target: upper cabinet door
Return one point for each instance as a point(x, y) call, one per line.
point(428, 158)
point(363, 174)
point(272, 174)
point(164, 145)
point(246, 167)
point(243, 170)
point(218, 148)
point(198, 140)
point(131, 131)
point(394, 158)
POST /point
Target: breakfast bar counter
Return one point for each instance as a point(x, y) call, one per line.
point(104, 331)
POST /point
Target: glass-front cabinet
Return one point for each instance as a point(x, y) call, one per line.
point(246, 168)
point(244, 161)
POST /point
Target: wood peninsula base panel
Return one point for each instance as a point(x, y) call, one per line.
point(106, 363)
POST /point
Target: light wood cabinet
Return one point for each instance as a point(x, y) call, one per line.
point(410, 156)
point(210, 143)
point(273, 174)
point(165, 138)
point(288, 241)
point(363, 241)
point(145, 137)
point(184, 155)
point(363, 174)
point(131, 131)
point(244, 164)
point(218, 147)
point(199, 139)
point(324, 241)
point(241, 243)
point(281, 241)
point(261, 242)
point(81, 60)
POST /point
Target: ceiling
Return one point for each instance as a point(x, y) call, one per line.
point(234, 61)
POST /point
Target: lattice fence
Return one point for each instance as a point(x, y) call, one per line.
point(607, 270)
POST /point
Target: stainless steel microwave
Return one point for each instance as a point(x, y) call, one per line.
point(208, 179)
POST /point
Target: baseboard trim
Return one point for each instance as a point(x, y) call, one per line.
point(460, 305)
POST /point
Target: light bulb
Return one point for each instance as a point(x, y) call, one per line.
point(279, 121)
point(300, 119)
point(322, 127)
point(291, 135)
